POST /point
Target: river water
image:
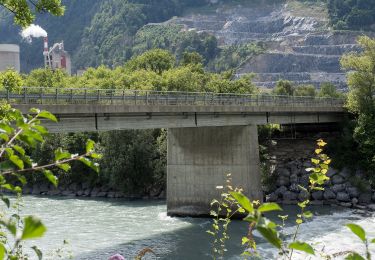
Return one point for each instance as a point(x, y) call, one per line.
point(96, 229)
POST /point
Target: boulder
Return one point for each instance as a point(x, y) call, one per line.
point(283, 172)
point(373, 197)
point(371, 207)
point(364, 198)
point(354, 201)
point(36, 190)
point(280, 191)
point(331, 172)
point(294, 178)
point(304, 180)
point(111, 194)
point(346, 204)
point(273, 197)
point(337, 179)
point(303, 195)
point(343, 197)
point(294, 187)
point(345, 173)
point(329, 194)
point(338, 188)
point(101, 194)
point(80, 193)
point(353, 192)
point(68, 193)
point(283, 181)
point(288, 196)
point(317, 195)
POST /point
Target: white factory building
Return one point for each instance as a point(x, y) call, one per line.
point(9, 57)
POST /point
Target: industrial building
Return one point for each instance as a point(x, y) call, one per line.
point(9, 57)
point(56, 57)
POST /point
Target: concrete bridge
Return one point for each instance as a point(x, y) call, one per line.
point(209, 134)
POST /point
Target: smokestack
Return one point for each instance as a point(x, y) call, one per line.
point(45, 51)
point(47, 62)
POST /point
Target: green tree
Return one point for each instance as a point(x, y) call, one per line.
point(283, 88)
point(361, 97)
point(47, 78)
point(328, 90)
point(24, 11)
point(10, 80)
point(156, 60)
point(305, 90)
point(191, 58)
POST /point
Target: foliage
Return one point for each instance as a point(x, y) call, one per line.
point(156, 60)
point(47, 78)
point(283, 87)
point(10, 80)
point(18, 135)
point(328, 90)
point(351, 14)
point(305, 90)
point(24, 11)
point(361, 97)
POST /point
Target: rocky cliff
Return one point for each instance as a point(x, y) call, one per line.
point(301, 46)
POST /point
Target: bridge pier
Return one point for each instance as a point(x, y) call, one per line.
point(199, 160)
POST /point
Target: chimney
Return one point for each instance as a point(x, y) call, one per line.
point(45, 51)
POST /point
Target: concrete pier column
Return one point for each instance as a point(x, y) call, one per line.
point(199, 160)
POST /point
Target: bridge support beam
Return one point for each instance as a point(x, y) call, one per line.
point(199, 160)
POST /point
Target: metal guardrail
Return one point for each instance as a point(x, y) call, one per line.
point(32, 95)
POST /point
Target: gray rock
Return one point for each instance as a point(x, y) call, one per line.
point(373, 197)
point(346, 204)
point(294, 187)
point(317, 195)
point(80, 193)
point(36, 190)
point(283, 181)
point(329, 194)
point(343, 197)
point(364, 198)
point(360, 207)
point(73, 187)
point(338, 188)
point(94, 192)
point(283, 172)
point(280, 191)
point(354, 201)
point(111, 194)
point(304, 180)
point(68, 193)
point(294, 178)
point(101, 194)
point(288, 196)
point(316, 202)
point(44, 188)
point(54, 192)
point(303, 195)
point(273, 197)
point(85, 185)
point(371, 207)
point(353, 192)
point(345, 173)
point(331, 172)
point(337, 179)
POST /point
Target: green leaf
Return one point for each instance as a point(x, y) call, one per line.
point(17, 161)
point(10, 187)
point(2, 251)
point(302, 246)
point(354, 256)
point(5, 200)
point(51, 177)
point(22, 179)
point(96, 156)
point(89, 145)
point(40, 129)
point(33, 228)
point(65, 167)
point(38, 252)
point(269, 207)
point(90, 164)
point(61, 155)
point(34, 110)
point(5, 128)
point(372, 240)
point(4, 136)
point(270, 235)
point(307, 214)
point(47, 115)
point(19, 149)
point(243, 201)
point(245, 240)
point(11, 226)
point(357, 230)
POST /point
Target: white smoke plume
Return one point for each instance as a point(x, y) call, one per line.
point(33, 31)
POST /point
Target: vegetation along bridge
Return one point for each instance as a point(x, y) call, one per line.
point(209, 134)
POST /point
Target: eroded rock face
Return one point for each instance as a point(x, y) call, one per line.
point(300, 45)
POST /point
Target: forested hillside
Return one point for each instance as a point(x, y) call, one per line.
point(110, 32)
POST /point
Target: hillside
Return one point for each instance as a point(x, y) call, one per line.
point(291, 39)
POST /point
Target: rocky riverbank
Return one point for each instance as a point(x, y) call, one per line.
point(289, 161)
point(87, 190)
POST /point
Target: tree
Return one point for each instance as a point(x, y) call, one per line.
point(328, 90)
point(361, 97)
point(156, 60)
point(11, 80)
point(25, 10)
point(191, 58)
point(284, 87)
point(305, 90)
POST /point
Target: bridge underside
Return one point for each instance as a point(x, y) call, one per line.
point(199, 160)
point(107, 122)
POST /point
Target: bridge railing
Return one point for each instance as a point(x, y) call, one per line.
point(32, 95)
